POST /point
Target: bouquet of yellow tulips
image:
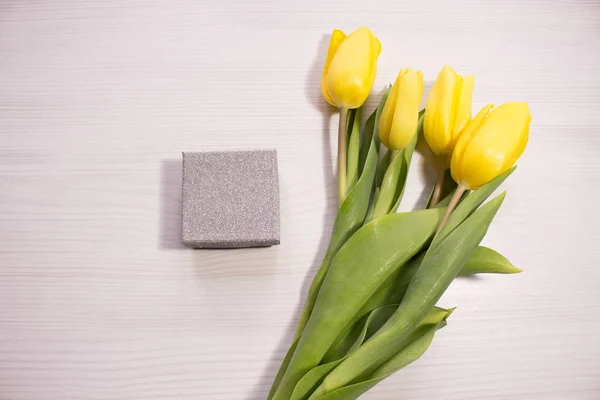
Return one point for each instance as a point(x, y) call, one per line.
point(371, 308)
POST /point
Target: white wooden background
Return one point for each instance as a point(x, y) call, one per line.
point(98, 98)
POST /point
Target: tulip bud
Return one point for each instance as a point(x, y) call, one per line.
point(350, 68)
point(490, 144)
point(448, 110)
point(400, 116)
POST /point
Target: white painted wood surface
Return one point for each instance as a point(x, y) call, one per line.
point(97, 100)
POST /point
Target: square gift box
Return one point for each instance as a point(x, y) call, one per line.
point(230, 199)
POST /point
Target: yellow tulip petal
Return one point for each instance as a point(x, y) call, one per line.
point(337, 37)
point(462, 107)
point(376, 46)
point(406, 112)
point(439, 113)
point(387, 115)
point(498, 143)
point(351, 73)
point(456, 163)
point(520, 148)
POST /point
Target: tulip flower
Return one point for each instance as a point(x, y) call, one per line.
point(400, 116)
point(350, 68)
point(348, 77)
point(447, 112)
point(489, 145)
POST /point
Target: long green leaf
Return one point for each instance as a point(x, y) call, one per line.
point(349, 218)
point(470, 203)
point(282, 368)
point(487, 261)
point(353, 148)
point(418, 342)
point(394, 179)
point(356, 337)
point(407, 158)
point(367, 137)
point(482, 261)
point(371, 255)
point(358, 332)
point(389, 184)
point(441, 264)
point(383, 167)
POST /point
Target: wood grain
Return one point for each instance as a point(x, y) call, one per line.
point(97, 100)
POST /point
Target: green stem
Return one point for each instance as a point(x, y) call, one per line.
point(439, 185)
point(451, 206)
point(342, 157)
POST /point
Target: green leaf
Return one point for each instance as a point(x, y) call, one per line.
point(389, 185)
point(440, 265)
point(369, 216)
point(384, 96)
point(358, 332)
point(353, 148)
point(350, 217)
point(357, 335)
point(407, 158)
point(367, 137)
point(470, 203)
point(371, 255)
point(312, 379)
point(394, 180)
point(282, 368)
point(383, 167)
point(487, 261)
point(417, 344)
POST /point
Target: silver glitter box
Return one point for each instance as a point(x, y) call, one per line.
point(230, 199)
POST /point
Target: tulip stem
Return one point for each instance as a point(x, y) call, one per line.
point(342, 157)
point(439, 186)
point(460, 190)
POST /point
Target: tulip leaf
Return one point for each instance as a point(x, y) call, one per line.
point(367, 137)
point(440, 265)
point(359, 268)
point(282, 368)
point(353, 147)
point(470, 203)
point(360, 331)
point(357, 335)
point(407, 158)
point(417, 344)
point(369, 216)
point(349, 218)
point(394, 179)
point(383, 167)
point(483, 260)
point(378, 112)
point(312, 379)
point(389, 185)
point(487, 261)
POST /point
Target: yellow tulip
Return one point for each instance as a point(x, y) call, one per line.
point(350, 68)
point(490, 144)
point(448, 110)
point(400, 116)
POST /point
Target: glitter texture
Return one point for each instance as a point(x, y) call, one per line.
point(230, 199)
